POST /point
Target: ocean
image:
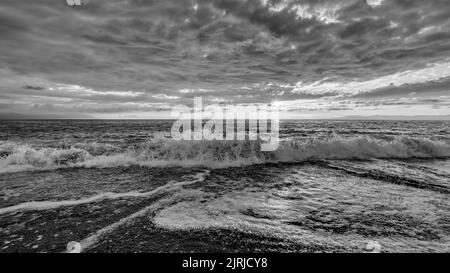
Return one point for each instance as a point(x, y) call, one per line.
point(126, 186)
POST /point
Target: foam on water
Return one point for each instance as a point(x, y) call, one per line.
point(159, 204)
point(308, 212)
point(164, 152)
point(46, 205)
point(353, 193)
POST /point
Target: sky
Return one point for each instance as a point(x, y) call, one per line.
point(138, 59)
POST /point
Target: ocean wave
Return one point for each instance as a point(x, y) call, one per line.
point(165, 152)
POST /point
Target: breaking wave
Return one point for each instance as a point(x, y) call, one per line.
point(165, 152)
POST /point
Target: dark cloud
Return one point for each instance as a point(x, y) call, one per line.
point(33, 87)
point(161, 46)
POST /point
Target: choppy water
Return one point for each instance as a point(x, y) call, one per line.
point(331, 185)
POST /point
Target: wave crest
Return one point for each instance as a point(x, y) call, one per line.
point(165, 152)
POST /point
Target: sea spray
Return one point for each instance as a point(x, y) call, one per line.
point(163, 152)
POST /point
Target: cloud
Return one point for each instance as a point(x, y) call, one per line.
point(241, 51)
point(33, 87)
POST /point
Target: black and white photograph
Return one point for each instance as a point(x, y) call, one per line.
point(224, 126)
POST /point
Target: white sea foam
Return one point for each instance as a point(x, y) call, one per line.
point(46, 205)
point(162, 203)
point(217, 154)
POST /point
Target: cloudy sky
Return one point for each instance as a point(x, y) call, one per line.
point(138, 58)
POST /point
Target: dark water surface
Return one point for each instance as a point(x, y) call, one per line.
point(126, 186)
